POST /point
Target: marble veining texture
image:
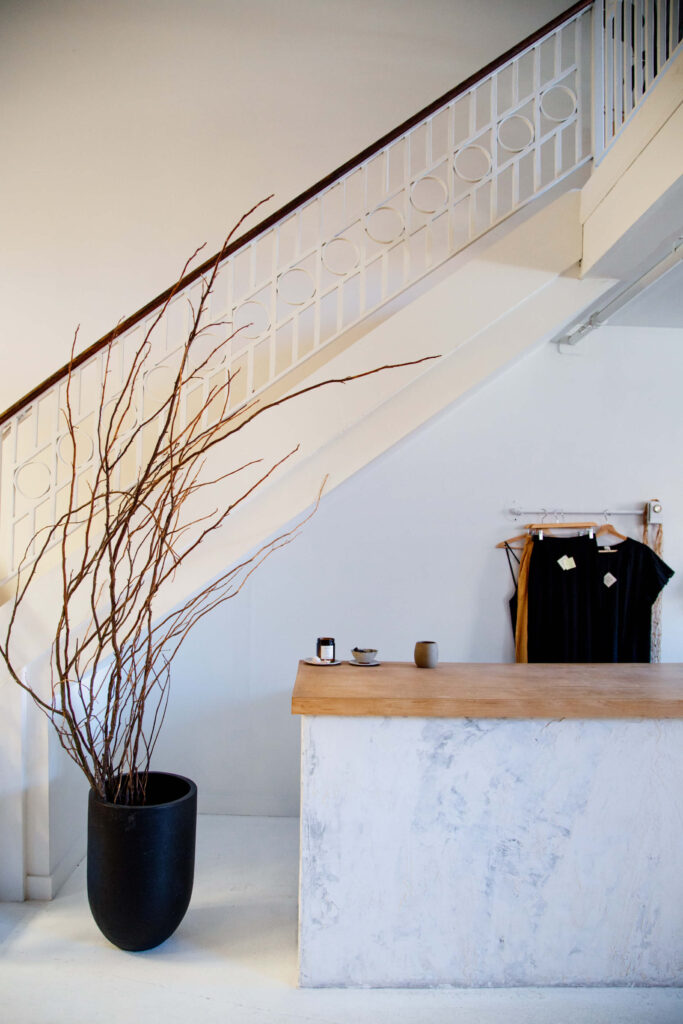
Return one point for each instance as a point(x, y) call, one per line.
point(490, 852)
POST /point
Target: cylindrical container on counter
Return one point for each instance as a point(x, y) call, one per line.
point(325, 648)
point(426, 654)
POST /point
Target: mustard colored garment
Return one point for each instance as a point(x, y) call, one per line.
point(521, 626)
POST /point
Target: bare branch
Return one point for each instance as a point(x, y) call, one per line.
point(121, 543)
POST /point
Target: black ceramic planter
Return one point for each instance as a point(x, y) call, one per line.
point(141, 862)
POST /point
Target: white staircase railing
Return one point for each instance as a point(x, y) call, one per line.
point(633, 42)
point(342, 254)
point(374, 230)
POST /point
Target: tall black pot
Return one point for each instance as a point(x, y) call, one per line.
point(141, 862)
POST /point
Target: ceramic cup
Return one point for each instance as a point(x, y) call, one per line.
point(364, 655)
point(426, 654)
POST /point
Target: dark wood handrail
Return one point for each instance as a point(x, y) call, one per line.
point(294, 204)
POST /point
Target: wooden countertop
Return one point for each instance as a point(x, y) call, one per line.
point(477, 690)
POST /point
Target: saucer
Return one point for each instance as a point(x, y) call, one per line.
point(365, 664)
point(321, 664)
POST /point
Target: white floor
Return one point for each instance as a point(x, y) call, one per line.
point(233, 959)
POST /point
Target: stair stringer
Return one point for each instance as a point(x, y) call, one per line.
point(632, 205)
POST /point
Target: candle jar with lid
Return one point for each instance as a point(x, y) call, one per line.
point(325, 648)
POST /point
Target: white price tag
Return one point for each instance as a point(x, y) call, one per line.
point(566, 562)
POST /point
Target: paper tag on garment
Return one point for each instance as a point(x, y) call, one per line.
point(566, 562)
point(608, 579)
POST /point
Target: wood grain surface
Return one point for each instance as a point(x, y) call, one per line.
point(478, 690)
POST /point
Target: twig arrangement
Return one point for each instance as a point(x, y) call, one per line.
point(111, 652)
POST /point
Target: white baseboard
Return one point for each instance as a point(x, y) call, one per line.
point(46, 887)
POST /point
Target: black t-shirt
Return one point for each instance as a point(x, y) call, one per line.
point(561, 596)
point(629, 578)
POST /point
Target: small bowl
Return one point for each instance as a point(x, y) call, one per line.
point(365, 655)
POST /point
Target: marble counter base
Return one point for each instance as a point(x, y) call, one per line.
point(491, 852)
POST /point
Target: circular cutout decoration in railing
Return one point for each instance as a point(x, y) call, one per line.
point(208, 352)
point(32, 480)
point(559, 103)
point(515, 133)
point(384, 225)
point(80, 446)
point(472, 163)
point(428, 194)
point(340, 256)
point(251, 320)
point(295, 286)
point(159, 382)
point(122, 419)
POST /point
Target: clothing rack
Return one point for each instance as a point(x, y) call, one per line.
point(652, 508)
point(560, 512)
point(650, 515)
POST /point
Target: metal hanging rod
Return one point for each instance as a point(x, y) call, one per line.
point(653, 509)
point(563, 512)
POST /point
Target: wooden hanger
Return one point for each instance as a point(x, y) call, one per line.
point(608, 528)
point(509, 543)
point(541, 527)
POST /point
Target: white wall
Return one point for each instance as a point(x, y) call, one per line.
point(132, 132)
point(405, 550)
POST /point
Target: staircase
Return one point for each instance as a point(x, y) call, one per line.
point(488, 224)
